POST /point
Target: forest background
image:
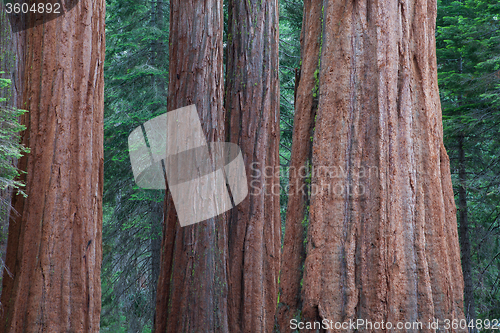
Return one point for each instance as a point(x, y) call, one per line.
point(136, 79)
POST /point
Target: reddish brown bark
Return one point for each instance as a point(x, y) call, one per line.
point(192, 287)
point(382, 240)
point(252, 103)
point(306, 105)
point(54, 245)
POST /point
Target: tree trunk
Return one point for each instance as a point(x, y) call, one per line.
point(252, 102)
point(382, 240)
point(469, 305)
point(306, 104)
point(54, 245)
point(192, 288)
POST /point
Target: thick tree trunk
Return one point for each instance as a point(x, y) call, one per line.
point(306, 104)
point(382, 240)
point(54, 245)
point(252, 103)
point(192, 288)
point(470, 310)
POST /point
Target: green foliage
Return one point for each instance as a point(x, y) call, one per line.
point(468, 49)
point(290, 29)
point(136, 76)
point(10, 148)
point(136, 72)
point(10, 151)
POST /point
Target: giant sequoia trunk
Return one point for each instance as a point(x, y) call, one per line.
point(382, 242)
point(252, 103)
point(54, 245)
point(192, 288)
point(306, 104)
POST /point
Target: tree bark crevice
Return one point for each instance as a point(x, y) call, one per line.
point(381, 240)
point(54, 248)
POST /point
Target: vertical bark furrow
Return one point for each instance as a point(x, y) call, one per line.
point(293, 254)
point(55, 243)
point(192, 288)
point(382, 235)
point(252, 103)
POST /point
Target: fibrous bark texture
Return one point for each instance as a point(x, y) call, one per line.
point(382, 240)
point(306, 104)
point(192, 287)
point(54, 244)
point(252, 104)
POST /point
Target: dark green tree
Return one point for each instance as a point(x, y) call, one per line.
point(468, 36)
point(10, 149)
point(136, 74)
